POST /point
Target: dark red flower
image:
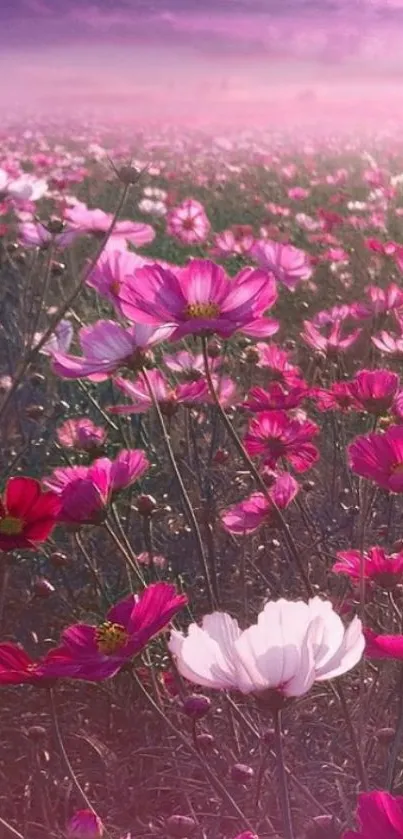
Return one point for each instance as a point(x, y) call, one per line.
point(27, 514)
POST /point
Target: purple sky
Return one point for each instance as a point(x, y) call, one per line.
point(171, 54)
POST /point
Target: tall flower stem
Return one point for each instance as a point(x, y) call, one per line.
point(63, 309)
point(282, 777)
point(359, 763)
point(186, 500)
point(12, 831)
point(69, 769)
point(255, 473)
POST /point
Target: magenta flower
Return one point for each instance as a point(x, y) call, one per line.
point(380, 816)
point(106, 346)
point(85, 491)
point(94, 653)
point(383, 646)
point(331, 344)
point(289, 265)
point(98, 223)
point(249, 514)
point(16, 666)
point(168, 398)
point(276, 436)
point(337, 398)
point(108, 275)
point(33, 233)
point(379, 458)
point(386, 570)
point(201, 299)
point(81, 434)
point(278, 367)
point(375, 390)
point(188, 222)
point(382, 301)
point(275, 398)
point(85, 825)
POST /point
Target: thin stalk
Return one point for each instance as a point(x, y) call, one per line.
point(255, 474)
point(34, 352)
point(397, 742)
point(214, 780)
point(359, 763)
point(124, 552)
point(12, 831)
point(282, 778)
point(186, 500)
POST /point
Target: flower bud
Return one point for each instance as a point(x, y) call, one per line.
point(146, 505)
point(57, 268)
point(385, 735)
point(251, 355)
point(308, 486)
point(180, 826)
point(55, 226)
point(221, 456)
point(214, 349)
point(59, 559)
point(43, 587)
point(128, 175)
point(205, 741)
point(37, 733)
point(37, 378)
point(323, 827)
point(196, 706)
point(241, 773)
point(34, 411)
point(85, 825)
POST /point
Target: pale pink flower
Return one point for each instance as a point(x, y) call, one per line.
point(24, 187)
point(188, 222)
point(60, 341)
point(289, 265)
point(298, 193)
point(81, 433)
point(333, 343)
point(98, 223)
point(249, 514)
point(108, 275)
point(106, 346)
point(37, 235)
point(291, 646)
point(168, 397)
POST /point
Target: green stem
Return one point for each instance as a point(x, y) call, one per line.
point(282, 777)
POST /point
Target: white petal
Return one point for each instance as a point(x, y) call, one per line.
point(347, 656)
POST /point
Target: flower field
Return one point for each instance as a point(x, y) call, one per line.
point(201, 541)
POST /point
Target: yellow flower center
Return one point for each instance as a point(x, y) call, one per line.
point(115, 287)
point(110, 637)
point(11, 526)
point(202, 310)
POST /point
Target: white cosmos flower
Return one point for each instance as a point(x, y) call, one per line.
point(292, 645)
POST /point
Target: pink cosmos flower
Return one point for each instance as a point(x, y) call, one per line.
point(168, 398)
point(246, 516)
point(107, 346)
point(275, 435)
point(386, 570)
point(25, 187)
point(275, 398)
point(291, 646)
point(388, 343)
point(237, 241)
point(85, 824)
point(380, 816)
point(337, 398)
point(110, 271)
point(379, 458)
point(98, 223)
point(60, 341)
point(289, 265)
point(374, 390)
point(381, 301)
point(278, 367)
point(383, 646)
point(81, 434)
point(94, 653)
point(190, 365)
point(332, 344)
point(33, 233)
point(298, 193)
point(201, 299)
point(188, 222)
point(85, 491)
